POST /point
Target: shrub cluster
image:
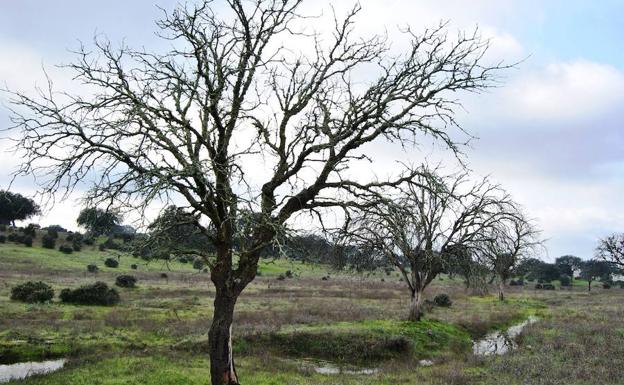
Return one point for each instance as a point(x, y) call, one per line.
point(134, 266)
point(198, 264)
point(128, 281)
point(442, 300)
point(48, 241)
point(32, 292)
point(519, 282)
point(111, 262)
point(544, 286)
point(92, 268)
point(3, 238)
point(66, 249)
point(565, 280)
point(96, 294)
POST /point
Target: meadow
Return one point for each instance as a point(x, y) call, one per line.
point(286, 329)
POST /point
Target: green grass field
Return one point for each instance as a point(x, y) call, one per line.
point(283, 328)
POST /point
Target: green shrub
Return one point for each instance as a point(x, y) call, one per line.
point(28, 241)
point(48, 241)
point(96, 294)
point(32, 292)
point(606, 285)
point(198, 264)
point(128, 281)
point(539, 286)
point(3, 238)
point(30, 230)
point(442, 300)
point(565, 280)
point(89, 241)
point(92, 268)
point(548, 286)
point(52, 232)
point(111, 262)
point(134, 266)
point(66, 249)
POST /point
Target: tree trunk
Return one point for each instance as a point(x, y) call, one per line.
point(501, 290)
point(415, 312)
point(222, 370)
point(589, 285)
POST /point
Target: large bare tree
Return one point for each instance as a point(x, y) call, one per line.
point(429, 221)
point(236, 122)
point(611, 249)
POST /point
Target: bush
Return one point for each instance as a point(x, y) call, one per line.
point(92, 268)
point(164, 276)
point(88, 241)
point(198, 264)
point(111, 262)
point(282, 277)
point(606, 285)
point(102, 247)
point(442, 300)
point(66, 249)
point(30, 230)
point(95, 294)
point(52, 232)
point(539, 286)
point(3, 238)
point(28, 241)
point(128, 281)
point(48, 241)
point(548, 286)
point(565, 280)
point(76, 246)
point(289, 274)
point(32, 292)
point(134, 266)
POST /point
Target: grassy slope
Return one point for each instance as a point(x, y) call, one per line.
point(132, 342)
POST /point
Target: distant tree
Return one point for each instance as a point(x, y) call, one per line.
point(509, 240)
point(611, 249)
point(428, 221)
point(568, 264)
point(98, 221)
point(175, 233)
point(16, 207)
point(593, 269)
point(462, 261)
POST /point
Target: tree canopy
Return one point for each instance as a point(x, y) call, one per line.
point(98, 221)
point(16, 207)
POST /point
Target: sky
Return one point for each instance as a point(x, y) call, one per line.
point(551, 133)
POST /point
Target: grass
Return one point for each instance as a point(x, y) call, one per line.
point(158, 333)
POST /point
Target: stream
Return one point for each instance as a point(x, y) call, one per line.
point(501, 342)
point(26, 369)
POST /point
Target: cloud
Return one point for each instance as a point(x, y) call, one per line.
point(566, 91)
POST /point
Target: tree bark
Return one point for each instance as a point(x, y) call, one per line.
point(501, 290)
point(415, 312)
point(222, 369)
point(589, 285)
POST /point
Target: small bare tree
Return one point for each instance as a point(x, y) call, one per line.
point(611, 249)
point(233, 123)
point(512, 239)
point(421, 230)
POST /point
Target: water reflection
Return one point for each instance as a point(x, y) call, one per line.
point(26, 369)
point(501, 342)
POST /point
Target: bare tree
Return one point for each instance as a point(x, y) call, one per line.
point(512, 239)
point(231, 104)
point(611, 249)
point(423, 227)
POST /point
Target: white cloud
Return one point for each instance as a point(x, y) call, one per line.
point(568, 91)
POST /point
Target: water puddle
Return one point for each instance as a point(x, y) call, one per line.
point(26, 369)
point(501, 342)
point(322, 367)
